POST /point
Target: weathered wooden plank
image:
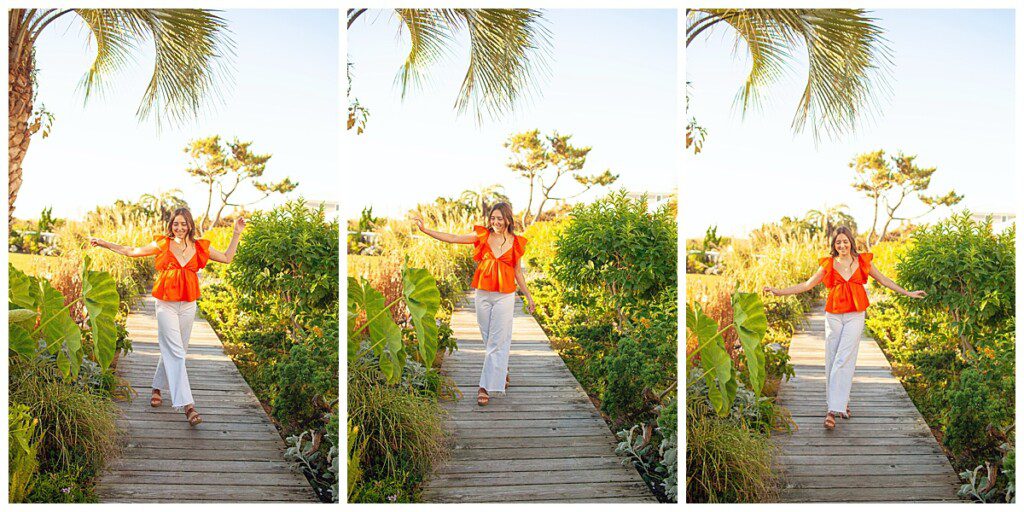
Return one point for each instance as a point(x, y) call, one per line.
point(531, 442)
point(898, 481)
point(559, 491)
point(940, 493)
point(201, 493)
point(529, 478)
point(542, 440)
point(269, 454)
point(596, 450)
point(158, 477)
point(847, 460)
point(235, 455)
point(186, 466)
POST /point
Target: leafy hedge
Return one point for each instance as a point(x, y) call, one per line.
point(276, 309)
point(605, 282)
point(954, 349)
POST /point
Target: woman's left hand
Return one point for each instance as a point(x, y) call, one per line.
point(239, 225)
point(530, 306)
point(916, 294)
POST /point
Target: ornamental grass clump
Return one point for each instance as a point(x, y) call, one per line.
point(725, 462)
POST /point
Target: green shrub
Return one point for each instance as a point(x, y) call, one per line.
point(968, 272)
point(954, 350)
point(275, 307)
point(613, 255)
point(286, 268)
point(65, 486)
point(22, 445)
point(642, 362)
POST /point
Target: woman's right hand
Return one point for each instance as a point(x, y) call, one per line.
point(773, 291)
point(97, 242)
point(418, 220)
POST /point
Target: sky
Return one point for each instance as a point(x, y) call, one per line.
point(952, 104)
point(611, 83)
point(284, 97)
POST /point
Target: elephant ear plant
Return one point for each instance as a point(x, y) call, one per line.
point(718, 371)
point(422, 299)
point(40, 321)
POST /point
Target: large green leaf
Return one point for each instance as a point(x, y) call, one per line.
point(19, 288)
point(55, 323)
point(422, 298)
point(385, 335)
point(23, 317)
point(355, 302)
point(751, 325)
point(718, 371)
point(21, 341)
point(99, 293)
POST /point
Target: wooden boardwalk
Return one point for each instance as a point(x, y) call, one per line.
point(884, 452)
point(235, 455)
point(542, 441)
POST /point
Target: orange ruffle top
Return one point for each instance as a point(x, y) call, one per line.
point(174, 281)
point(496, 273)
point(846, 295)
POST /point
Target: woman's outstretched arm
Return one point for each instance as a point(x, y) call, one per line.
point(890, 284)
point(131, 252)
point(798, 288)
point(444, 237)
point(228, 255)
point(521, 281)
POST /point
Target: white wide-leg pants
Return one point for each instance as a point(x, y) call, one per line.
point(494, 313)
point(174, 326)
point(842, 340)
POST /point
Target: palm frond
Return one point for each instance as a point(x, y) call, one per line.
point(430, 37)
point(507, 53)
point(848, 60)
point(192, 49)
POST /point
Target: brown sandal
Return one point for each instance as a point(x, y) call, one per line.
point(508, 378)
point(482, 398)
point(193, 417)
point(846, 415)
point(156, 400)
point(830, 421)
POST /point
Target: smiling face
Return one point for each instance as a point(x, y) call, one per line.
point(180, 227)
point(842, 244)
point(498, 221)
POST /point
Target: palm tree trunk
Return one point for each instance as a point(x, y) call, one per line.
point(19, 97)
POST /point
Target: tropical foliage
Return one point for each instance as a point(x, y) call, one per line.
point(190, 48)
point(507, 50)
point(61, 413)
point(848, 60)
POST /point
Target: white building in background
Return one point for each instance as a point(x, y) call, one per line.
point(655, 199)
point(1000, 220)
point(332, 209)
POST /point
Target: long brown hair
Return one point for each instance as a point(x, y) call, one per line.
point(184, 212)
point(843, 230)
point(506, 212)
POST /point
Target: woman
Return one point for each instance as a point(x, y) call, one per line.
point(845, 273)
point(497, 249)
point(179, 256)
